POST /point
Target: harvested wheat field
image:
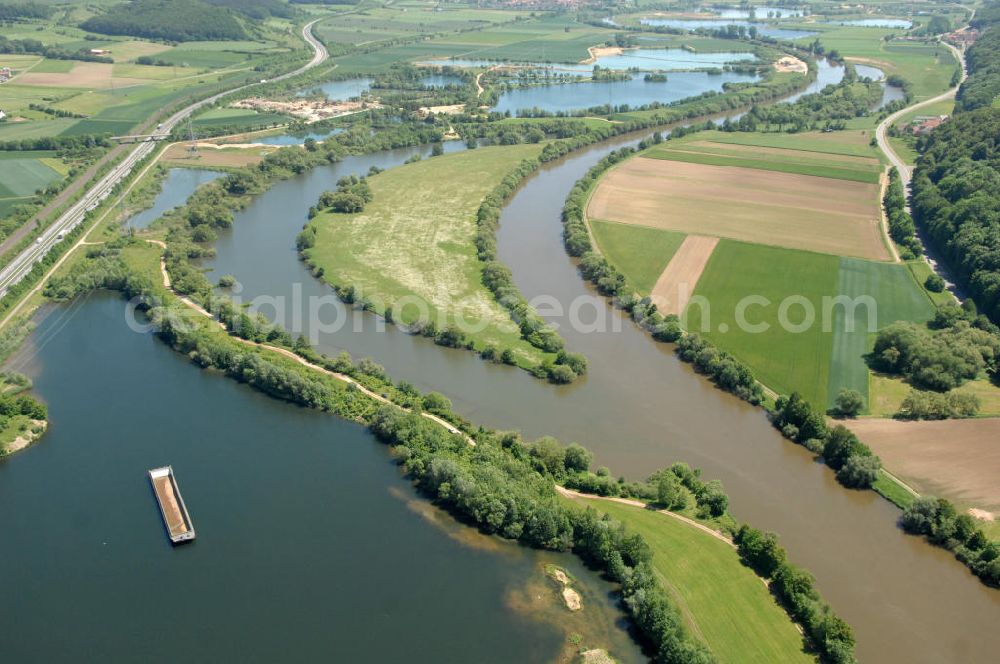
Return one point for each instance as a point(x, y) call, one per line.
point(674, 287)
point(91, 75)
point(827, 215)
point(954, 459)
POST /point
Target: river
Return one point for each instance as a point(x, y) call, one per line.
point(310, 545)
point(638, 408)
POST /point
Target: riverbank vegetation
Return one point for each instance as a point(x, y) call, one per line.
point(23, 419)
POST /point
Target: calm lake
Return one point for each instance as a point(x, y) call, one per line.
point(310, 545)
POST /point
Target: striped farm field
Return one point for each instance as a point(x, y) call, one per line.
point(795, 211)
point(640, 253)
point(840, 167)
point(893, 295)
point(855, 143)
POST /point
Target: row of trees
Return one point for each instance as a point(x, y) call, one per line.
point(52, 52)
point(942, 525)
point(795, 589)
point(901, 227)
point(498, 279)
point(831, 107)
point(856, 466)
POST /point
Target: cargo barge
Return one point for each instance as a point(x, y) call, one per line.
point(172, 507)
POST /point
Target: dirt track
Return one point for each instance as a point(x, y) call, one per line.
point(674, 287)
point(796, 211)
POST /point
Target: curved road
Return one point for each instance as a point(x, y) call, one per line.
point(22, 264)
point(906, 172)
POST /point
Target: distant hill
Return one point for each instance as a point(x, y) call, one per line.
point(175, 20)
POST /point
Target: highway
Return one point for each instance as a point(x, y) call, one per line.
point(22, 264)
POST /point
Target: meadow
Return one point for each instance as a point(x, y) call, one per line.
point(415, 242)
point(782, 358)
point(722, 601)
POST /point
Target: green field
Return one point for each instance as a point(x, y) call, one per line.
point(24, 172)
point(640, 253)
point(697, 150)
point(415, 240)
point(724, 603)
point(895, 296)
point(784, 359)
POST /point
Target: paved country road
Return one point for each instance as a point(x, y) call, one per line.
point(22, 264)
point(906, 172)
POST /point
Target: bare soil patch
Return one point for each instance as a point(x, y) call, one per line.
point(674, 287)
point(766, 207)
point(788, 63)
point(91, 75)
point(211, 155)
point(601, 51)
point(954, 459)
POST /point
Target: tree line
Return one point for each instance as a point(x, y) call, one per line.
point(36, 47)
point(901, 227)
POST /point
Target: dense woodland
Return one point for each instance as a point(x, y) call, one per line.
point(174, 20)
point(956, 186)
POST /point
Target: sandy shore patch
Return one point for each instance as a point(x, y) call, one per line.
point(453, 109)
point(25, 439)
point(600, 52)
point(954, 459)
point(787, 63)
point(674, 287)
point(572, 599)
